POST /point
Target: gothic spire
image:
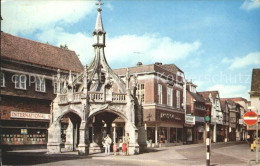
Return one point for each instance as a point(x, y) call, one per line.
point(99, 25)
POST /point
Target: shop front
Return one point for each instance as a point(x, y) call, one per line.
point(24, 128)
point(166, 130)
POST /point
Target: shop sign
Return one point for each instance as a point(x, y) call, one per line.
point(189, 119)
point(166, 116)
point(199, 119)
point(169, 116)
point(252, 127)
point(29, 115)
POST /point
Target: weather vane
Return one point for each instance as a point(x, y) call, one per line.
point(99, 3)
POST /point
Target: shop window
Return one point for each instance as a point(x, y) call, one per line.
point(178, 104)
point(140, 92)
point(151, 134)
point(169, 96)
point(20, 81)
point(159, 93)
point(163, 135)
point(2, 79)
point(179, 135)
point(173, 135)
point(40, 85)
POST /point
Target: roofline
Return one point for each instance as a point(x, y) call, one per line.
point(37, 42)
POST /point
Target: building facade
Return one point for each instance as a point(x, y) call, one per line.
point(216, 114)
point(161, 92)
point(27, 88)
point(255, 91)
point(195, 106)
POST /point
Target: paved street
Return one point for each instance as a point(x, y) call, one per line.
point(222, 154)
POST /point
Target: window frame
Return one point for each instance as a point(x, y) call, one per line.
point(18, 81)
point(2, 77)
point(41, 87)
point(141, 92)
point(178, 99)
point(160, 100)
point(170, 96)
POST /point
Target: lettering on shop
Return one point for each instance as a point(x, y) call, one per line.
point(28, 115)
point(169, 116)
point(166, 116)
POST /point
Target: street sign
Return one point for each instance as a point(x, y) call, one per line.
point(250, 118)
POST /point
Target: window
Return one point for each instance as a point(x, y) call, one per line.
point(178, 99)
point(169, 96)
point(159, 93)
point(55, 87)
point(40, 84)
point(2, 80)
point(140, 92)
point(20, 81)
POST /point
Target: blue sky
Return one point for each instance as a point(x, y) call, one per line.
point(216, 43)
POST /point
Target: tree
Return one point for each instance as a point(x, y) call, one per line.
point(64, 46)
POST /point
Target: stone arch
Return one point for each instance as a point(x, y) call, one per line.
point(120, 114)
point(68, 111)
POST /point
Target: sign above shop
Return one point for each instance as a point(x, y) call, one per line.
point(189, 119)
point(29, 115)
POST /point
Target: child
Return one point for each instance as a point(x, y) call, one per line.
point(120, 144)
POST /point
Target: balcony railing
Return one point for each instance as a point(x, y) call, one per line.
point(119, 98)
point(96, 97)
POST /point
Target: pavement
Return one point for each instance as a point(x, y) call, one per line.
point(226, 154)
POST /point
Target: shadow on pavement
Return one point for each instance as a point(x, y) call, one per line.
point(31, 158)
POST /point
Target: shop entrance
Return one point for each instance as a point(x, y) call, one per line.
point(70, 124)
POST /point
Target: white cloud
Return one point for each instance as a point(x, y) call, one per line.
point(248, 60)
point(250, 5)
point(231, 90)
point(149, 48)
point(31, 15)
point(126, 50)
point(251, 59)
point(79, 42)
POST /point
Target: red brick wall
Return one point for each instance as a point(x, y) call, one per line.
point(11, 103)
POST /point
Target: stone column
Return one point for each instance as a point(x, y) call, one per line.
point(133, 135)
point(114, 133)
point(215, 133)
point(83, 148)
point(156, 135)
point(54, 138)
point(69, 137)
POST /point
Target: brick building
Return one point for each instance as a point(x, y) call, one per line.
point(161, 90)
point(195, 106)
point(27, 87)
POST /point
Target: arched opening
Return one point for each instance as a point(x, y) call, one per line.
point(70, 123)
point(103, 123)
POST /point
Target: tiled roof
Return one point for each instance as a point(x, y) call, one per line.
point(205, 94)
point(24, 50)
point(236, 99)
point(197, 97)
point(169, 70)
point(255, 84)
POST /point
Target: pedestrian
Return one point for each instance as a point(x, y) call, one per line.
point(120, 146)
point(107, 143)
point(127, 141)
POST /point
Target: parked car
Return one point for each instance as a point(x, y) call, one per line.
point(253, 145)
